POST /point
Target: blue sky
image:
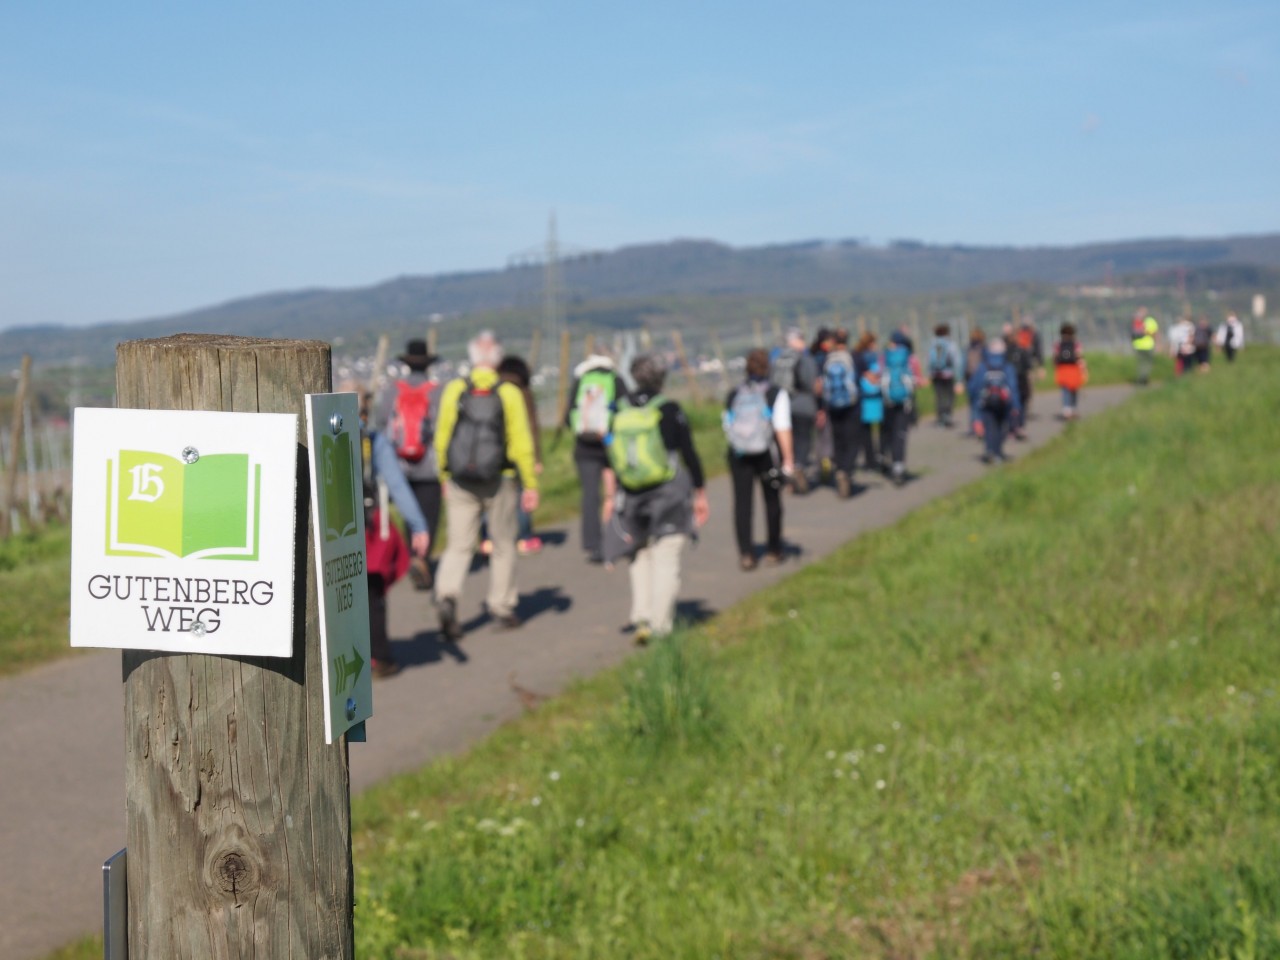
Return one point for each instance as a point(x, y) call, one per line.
point(158, 157)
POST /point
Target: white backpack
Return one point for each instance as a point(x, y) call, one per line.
point(748, 423)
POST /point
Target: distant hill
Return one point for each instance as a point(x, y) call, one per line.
point(680, 269)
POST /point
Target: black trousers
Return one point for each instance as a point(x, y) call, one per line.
point(802, 440)
point(846, 425)
point(893, 433)
point(745, 471)
point(867, 436)
point(591, 461)
point(379, 642)
point(944, 395)
point(428, 493)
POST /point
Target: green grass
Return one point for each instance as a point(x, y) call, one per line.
point(1039, 717)
point(35, 574)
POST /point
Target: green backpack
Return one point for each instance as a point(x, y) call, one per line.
point(636, 452)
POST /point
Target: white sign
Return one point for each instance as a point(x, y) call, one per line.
point(182, 530)
point(333, 427)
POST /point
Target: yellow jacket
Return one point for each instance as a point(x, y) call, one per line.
point(1147, 342)
point(514, 417)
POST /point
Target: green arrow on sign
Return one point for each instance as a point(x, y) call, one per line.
point(347, 669)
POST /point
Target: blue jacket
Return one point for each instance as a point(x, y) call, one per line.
point(386, 466)
point(992, 361)
point(871, 397)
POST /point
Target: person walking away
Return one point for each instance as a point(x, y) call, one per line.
point(898, 390)
point(1182, 346)
point(1202, 338)
point(794, 370)
point(484, 441)
point(1021, 363)
point(515, 370)
point(1069, 370)
point(1145, 328)
point(596, 392)
point(407, 406)
point(824, 448)
point(1028, 339)
point(1230, 337)
point(386, 559)
point(995, 386)
point(758, 427)
point(972, 363)
point(660, 499)
point(840, 403)
point(945, 366)
point(871, 405)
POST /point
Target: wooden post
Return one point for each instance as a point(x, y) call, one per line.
point(777, 328)
point(15, 447)
point(238, 815)
point(724, 367)
point(862, 324)
point(695, 393)
point(646, 339)
point(588, 345)
point(757, 332)
point(566, 369)
point(804, 326)
point(433, 339)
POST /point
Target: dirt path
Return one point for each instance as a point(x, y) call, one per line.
point(62, 803)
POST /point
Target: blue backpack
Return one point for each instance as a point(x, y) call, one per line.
point(898, 373)
point(997, 394)
point(838, 388)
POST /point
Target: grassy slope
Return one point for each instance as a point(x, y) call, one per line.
point(1040, 716)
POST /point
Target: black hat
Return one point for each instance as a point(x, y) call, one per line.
point(416, 355)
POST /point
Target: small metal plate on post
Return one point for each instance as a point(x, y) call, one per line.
point(115, 909)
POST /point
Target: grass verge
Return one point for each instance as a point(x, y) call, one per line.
point(1039, 717)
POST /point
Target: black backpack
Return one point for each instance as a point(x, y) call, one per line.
point(997, 394)
point(478, 447)
point(1068, 353)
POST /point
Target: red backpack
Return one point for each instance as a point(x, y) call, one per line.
point(409, 429)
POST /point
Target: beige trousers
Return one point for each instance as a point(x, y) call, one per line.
point(655, 581)
point(466, 505)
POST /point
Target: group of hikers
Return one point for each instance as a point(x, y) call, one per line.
point(801, 412)
point(804, 413)
point(1190, 343)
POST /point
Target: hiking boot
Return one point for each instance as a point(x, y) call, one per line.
point(643, 633)
point(508, 621)
point(420, 574)
point(747, 561)
point(529, 545)
point(773, 559)
point(899, 474)
point(800, 482)
point(381, 669)
point(844, 486)
point(449, 625)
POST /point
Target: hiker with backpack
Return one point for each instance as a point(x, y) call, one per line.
point(945, 373)
point(840, 403)
point(870, 401)
point(660, 498)
point(898, 389)
point(1143, 332)
point(974, 353)
point(484, 442)
point(994, 389)
point(1020, 360)
point(1230, 337)
point(386, 557)
point(595, 394)
point(794, 370)
point(1027, 338)
point(1182, 346)
point(758, 427)
point(407, 407)
point(1069, 370)
point(1202, 339)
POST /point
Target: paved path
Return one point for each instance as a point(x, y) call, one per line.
point(62, 756)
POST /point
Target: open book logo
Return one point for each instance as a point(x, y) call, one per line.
point(159, 506)
point(337, 459)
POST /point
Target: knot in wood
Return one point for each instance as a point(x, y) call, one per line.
point(234, 873)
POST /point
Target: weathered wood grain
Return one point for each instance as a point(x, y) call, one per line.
point(238, 814)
